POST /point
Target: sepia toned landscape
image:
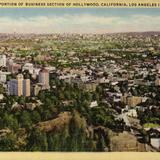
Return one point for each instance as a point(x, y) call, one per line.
point(94, 89)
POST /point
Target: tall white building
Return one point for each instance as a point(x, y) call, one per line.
point(3, 60)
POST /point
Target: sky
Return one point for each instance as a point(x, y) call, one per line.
point(84, 20)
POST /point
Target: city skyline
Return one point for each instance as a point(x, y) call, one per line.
point(93, 20)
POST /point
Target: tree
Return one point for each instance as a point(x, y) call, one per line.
point(46, 115)
point(10, 121)
point(1, 89)
point(25, 119)
point(51, 144)
point(99, 90)
point(36, 116)
point(37, 141)
point(77, 132)
point(21, 100)
point(101, 144)
point(8, 143)
point(145, 136)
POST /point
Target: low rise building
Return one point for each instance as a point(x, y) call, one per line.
point(131, 101)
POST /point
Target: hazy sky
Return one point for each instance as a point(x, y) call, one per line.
point(93, 20)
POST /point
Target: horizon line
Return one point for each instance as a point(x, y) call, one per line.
point(14, 33)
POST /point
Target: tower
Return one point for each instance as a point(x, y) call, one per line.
point(44, 78)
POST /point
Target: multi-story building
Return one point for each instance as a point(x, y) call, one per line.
point(3, 60)
point(13, 67)
point(26, 87)
point(44, 78)
point(28, 67)
point(19, 86)
point(3, 76)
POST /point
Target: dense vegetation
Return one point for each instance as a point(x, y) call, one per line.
point(86, 131)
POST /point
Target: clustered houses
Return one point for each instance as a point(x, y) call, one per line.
point(124, 72)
